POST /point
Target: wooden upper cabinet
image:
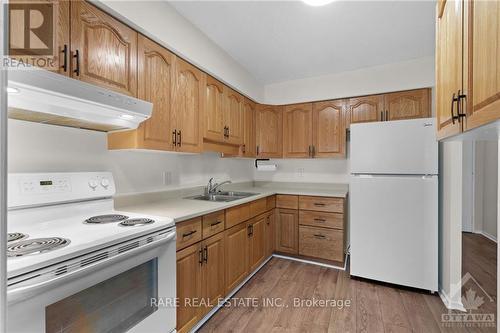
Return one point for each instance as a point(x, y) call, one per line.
point(188, 107)
point(449, 68)
point(104, 50)
point(249, 147)
point(483, 76)
point(269, 129)
point(329, 135)
point(233, 116)
point(214, 110)
point(364, 109)
point(21, 48)
point(408, 104)
point(297, 130)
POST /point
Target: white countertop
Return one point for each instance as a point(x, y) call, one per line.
point(173, 205)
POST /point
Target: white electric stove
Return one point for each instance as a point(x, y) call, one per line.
point(76, 263)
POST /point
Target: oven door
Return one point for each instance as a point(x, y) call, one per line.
point(129, 290)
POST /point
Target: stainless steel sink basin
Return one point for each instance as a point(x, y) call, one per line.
point(225, 196)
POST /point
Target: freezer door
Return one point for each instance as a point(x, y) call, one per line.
point(394, 229)
point(395, 147)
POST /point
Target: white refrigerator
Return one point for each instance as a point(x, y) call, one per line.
point(394, 202)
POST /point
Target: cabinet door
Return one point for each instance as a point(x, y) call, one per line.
point(214, 287)
point(365, 109)
point(213, 120)
point(50, 52)
point(297, 130)
point(287, 225)
point(270, 233)
point(236, 250)
point(256, 242)
point(449, 70)
point(155, 84)
point(104, 50)
point(248, 148)
point(189, 286)
point(269, 129)
point(329, 135)
point(233, 116)
point(408, 104)
point(484, 68)
point(188, 106)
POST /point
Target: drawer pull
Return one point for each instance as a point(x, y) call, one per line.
point(320, 220)
point(188, 233)
point(215, 223)
point(319, 204)
point(320, 236)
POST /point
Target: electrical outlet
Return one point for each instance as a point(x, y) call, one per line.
point(167, 177)
point(300, 172)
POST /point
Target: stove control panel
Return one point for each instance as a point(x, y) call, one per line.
point(50, 188)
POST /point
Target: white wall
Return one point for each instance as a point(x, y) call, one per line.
point(46, 148)
point(161, 22)
point(416, 73)
point(486, 181)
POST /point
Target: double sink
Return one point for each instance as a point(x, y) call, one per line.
point(223, 196)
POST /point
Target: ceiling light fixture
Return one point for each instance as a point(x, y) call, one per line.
point(317, 3)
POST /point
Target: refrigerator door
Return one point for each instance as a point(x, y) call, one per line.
point(394, 229)
point(406, 147)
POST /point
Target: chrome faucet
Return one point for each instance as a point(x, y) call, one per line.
point(211, 188)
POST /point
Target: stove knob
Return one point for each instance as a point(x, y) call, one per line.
point(92, 184)
point(105, 183)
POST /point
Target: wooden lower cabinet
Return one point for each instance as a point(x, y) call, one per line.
point(189, 286)
point(270, 233)
point(321, 243)
point(256, 241)
point(287, 231)
point(213, 279)
point(236, 250)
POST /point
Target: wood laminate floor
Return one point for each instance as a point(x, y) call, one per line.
point(375, 307)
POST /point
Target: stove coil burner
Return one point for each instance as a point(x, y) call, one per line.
point(110, 218)
point(36, 246)
point(136, 222)
point(15, 236)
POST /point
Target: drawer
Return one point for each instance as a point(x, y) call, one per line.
point(322, 204)
point(188, 232)
point(213, 224)
point(287, 201)
point(236, 215)
point(321, 219)
point(321, 243)
point(271, 202)
point(258, 207)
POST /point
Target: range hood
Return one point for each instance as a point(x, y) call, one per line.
point(41, 96)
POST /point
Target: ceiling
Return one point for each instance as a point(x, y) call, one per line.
point(284, 40)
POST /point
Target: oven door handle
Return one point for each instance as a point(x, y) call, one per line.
point(24, 291)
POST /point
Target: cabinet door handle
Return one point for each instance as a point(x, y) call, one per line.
point(215, 223)
point(313, 150)
point(205, 254)
point(310, 151)
point(382, 115)
point(244, 148)
point(174, 137)
point(386, 115)
point(460, 115)
point(319, 236)
point(258, 150)
point(453, 100)
point(77, 67)
point(65, 58)
point(200, 257)
point(179, 138)
point(319, 204)
point(228, 131)
point(320, 220)
point(187, 234)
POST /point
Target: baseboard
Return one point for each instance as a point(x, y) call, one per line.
point(311, 262)
point(487, 235)
point(451, 305)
